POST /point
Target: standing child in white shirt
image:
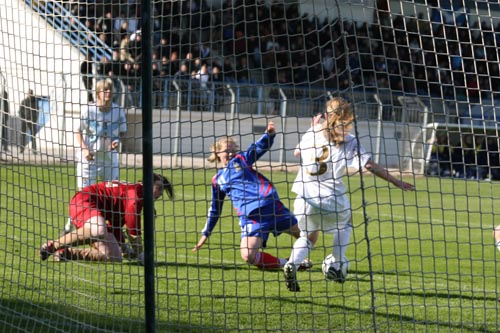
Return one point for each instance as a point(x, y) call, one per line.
point(98, 134)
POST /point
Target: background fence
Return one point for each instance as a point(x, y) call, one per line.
point(422, 75)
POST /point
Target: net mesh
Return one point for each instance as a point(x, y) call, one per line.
point(423, 79)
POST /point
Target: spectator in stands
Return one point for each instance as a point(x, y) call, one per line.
point(98, 213)
point(103, 68)
point(440, 160)
point(202, 77)
point(116, 64)
point(125, 55)
point(105, 25)
point(217, 79)
point(28, 113)
point(5, 114)
point(242, 70)
point(129, 80)
point(157, 84)
point(408, 45)
point(253, 196)
point(193, 65)
point(474, 156)
point(205, 51)
point(457, 159)
point(183, 79)
point(87, 72)
point(135, 45)
point(327, 149)
point(123, 30)
point(163, 49)
point(493, 158)
point(174, 63)
point(481, 149)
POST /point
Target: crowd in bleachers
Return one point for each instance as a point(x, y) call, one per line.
point(253, 41)
point(470, 156)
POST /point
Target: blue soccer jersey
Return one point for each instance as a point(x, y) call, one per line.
point(247, 189)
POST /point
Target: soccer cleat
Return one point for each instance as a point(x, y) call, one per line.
point(305, 265)
point(46, 250)
point(290, 272)
point(336, 275)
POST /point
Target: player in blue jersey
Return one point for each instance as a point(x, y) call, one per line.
point(254, 198)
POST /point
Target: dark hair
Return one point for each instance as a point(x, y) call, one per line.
point(167, 186)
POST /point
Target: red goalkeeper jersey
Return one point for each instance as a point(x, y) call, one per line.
point(119, 203)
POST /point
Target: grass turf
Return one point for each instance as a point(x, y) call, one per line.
point(421, 261)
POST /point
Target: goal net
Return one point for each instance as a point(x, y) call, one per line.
point(92, 91)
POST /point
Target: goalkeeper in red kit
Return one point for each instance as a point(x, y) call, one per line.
point(99, 212)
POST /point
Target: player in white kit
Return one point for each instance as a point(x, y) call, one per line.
point(322, 203)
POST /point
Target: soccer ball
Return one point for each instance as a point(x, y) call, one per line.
point(332, 274)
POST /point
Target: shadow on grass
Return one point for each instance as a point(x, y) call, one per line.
point(24, 316)
point(228, 267)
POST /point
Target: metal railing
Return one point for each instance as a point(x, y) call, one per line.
point(71, 28)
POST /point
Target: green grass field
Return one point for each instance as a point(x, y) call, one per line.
point(425, 262)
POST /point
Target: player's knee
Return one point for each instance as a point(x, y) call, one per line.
point(250, 257)
point(311, 237)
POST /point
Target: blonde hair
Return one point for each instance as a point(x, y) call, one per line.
point(224, 142)
point(103, 85)
point(338, 110)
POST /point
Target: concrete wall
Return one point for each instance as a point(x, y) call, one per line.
point(34, 56)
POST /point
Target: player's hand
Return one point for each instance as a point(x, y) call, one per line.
point(115, 145)
point(270, 128)
point(316, 120)
point(88, 155)
point(202, 241)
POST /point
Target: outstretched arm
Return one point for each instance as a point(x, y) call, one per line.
point(383, 173)
point(213, 214)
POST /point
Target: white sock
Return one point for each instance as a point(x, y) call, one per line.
point(300, 251)
point(341, 240)
point(498, 245)
point(283, 261)
point(69, 226)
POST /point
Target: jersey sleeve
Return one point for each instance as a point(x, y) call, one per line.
point(122, 124)
point(132, 213)
point(259, 148)
point(357, 155)
point(215, 208)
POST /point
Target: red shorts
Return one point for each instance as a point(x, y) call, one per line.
point(82, 209)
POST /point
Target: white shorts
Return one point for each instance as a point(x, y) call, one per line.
point(312, 218)
point(90, 172)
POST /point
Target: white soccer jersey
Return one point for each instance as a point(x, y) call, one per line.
point(319, 180)
point(100, 129)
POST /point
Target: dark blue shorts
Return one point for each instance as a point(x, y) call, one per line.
point(273, 219)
